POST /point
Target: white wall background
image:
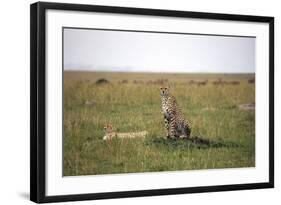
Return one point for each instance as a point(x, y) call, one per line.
point(14, 101)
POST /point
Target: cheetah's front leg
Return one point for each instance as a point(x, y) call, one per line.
point(172, 128)
point(166, 121)
point(187, 131)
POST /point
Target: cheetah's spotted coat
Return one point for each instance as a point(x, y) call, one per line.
point(175, 122)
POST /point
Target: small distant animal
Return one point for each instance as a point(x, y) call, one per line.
point(175, 122)
point(124, 81)
point(233, 82)
point(219, 82)
point(251, 80)
point(198, 82)
point(191, 82)
point(90, 102)
point(138, 82)
point(110, 134)
point(157, 82)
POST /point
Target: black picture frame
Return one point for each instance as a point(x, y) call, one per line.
point(38, 101)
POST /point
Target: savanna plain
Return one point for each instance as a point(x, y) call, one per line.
point(220, 107)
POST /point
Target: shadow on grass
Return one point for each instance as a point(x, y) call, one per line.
point(192, 142)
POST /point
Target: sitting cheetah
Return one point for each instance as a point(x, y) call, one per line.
point(175, 122)
point(110, 134)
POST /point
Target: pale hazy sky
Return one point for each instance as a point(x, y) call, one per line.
point(154, 52)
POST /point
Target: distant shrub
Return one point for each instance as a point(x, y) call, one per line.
point(102, 81)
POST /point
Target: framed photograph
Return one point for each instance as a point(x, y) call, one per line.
point(129, 102)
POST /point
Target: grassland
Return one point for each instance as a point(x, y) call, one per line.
point(131, 102)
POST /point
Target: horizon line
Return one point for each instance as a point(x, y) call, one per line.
point(106, 71)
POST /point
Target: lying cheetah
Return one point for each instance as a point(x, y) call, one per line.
point(175, 122)
point(110, 134)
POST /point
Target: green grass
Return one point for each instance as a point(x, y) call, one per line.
point(222, 135)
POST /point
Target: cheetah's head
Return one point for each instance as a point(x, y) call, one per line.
point(164, 91)
point(108, 128)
